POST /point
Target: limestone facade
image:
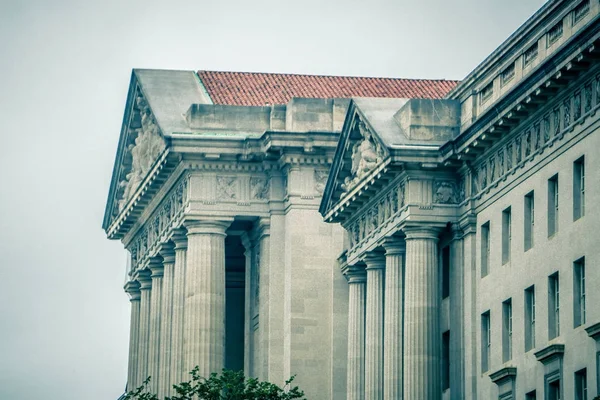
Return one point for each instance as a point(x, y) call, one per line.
point(377, 248)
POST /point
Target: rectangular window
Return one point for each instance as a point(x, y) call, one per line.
point(555, 33)
point(553, 205)
point(581, 11)
point(529, 318)
point(506, 235)
point(486, 341)
point(581, 385)
point(530, 54)
point(446, 360)
point(529, 214)
point(487, 92)
point(507, 330)
point(579, 292)
point(530, 396)
point(445, 272)
point(553, 306)
point(508, 74)
point(554, 390)
point(485, 248)
point(578, 188)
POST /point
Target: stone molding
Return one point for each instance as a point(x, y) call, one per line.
point(375, 260)
point(144, 278)
point(394, 246)
point(207, 226)
point(354, 273)
point(167, 252)
point(156, 267)
point(422, 232)
point(550, 353)
point(507, 373)
point(132, 288)
point(593, 331)
point(179, 237)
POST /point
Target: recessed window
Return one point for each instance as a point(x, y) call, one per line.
point(553, 205)
point(581, 392)
point(529, 220)
point(446, 360)
point(508, 73)
point(555, 33)
point(506, 235)
point(531, 395)
point(530, 54)
point(579, 188)
point(485, 248)
point(507, 330)
point(529, 318)
point(487, 92)
point(553, 306)
point(486, 341)
point(554, 392)
point(581, 11)
point(445, 272)
point(579, 292)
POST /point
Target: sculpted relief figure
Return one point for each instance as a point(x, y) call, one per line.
point(147, 147)
point(366, 155)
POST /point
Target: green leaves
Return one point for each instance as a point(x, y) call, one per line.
point(229, 385)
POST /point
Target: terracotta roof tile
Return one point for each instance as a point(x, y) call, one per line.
point(258, 89)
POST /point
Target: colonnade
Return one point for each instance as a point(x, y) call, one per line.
point(178, 308)
point(394, 320)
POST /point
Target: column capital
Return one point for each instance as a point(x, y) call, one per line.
point(375, 259)
point(167, 252)
point(179, 237)
point(132, 288)
point(355, 273)
point(394, 246)
point(422, 231)
point(207, 226)
point(143, 277)
point(156, 267)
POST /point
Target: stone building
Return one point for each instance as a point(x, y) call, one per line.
point(380, 238)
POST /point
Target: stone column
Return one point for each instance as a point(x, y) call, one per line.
point(164, 387)
point(393, 317)
point(204, 323)
point(248, 328)
point(374, 326)
point(422, 336)
point(154, 336)
point(133, 289)
point(356, 332)
point(177, 373)
point(144, 333)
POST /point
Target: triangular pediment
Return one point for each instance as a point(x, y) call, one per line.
point(141, 144)
point(360, 152)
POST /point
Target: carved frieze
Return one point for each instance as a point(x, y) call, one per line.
point(445, 192)
point(259, 188)
point(147, 146)
point(320, 180)
point(159, 223)
point(227, 188)
point(537, 135)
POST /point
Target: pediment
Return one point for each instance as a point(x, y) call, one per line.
point(141, 144)
point(359, 154)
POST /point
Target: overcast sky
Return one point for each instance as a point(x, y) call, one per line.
point(64, 75)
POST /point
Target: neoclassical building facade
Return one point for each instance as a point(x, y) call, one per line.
point(379, 238)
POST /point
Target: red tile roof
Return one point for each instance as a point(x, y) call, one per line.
point(258, 89)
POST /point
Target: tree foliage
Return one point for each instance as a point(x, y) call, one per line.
point(229, 385)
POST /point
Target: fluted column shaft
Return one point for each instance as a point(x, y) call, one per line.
point(133, 289)
point(356, 332)
point(164, 386)
point(154, 337)
point(422, 334)
point(178, 374)
point(144, 330)
point(204, 323)
point(393, 317)
point(374, 326)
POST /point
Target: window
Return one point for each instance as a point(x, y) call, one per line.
point(486, 341)
point(529, 221)
point(579, 292)
point(555, 33)
point(506, 235)
point(581, 11)
point(445, 272)
point(530, 395)
point(446, 360)
point(530, 54)
point(529, 318)
point(553, 205)
point(578, 189)
point(553, 306)
point(508, 74)
point(507, 330)
point(487, 92)
point(581, 385)
point(485, 248)
point(554, 390)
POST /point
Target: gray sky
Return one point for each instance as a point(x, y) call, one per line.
point(64, 73)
